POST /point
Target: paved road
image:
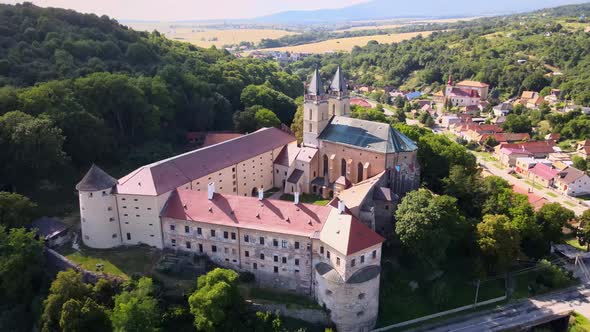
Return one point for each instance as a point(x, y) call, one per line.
point(577, 207)
point(520, 314)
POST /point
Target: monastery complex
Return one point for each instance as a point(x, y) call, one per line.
point(211, 202)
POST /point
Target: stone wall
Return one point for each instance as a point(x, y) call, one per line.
point(313, 316)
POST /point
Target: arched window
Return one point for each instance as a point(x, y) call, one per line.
point(343, 167)
point(359, 172)
point(310, 127)
point(325, 165)
point(311, 114)
point(333, 109)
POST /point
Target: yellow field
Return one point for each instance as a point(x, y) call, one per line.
point(372, 27)
point(376, 25)
point(346, 44)
point(203, 37)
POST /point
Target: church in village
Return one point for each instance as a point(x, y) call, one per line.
point(211, 201)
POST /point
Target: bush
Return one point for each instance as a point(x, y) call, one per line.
point(551, 275)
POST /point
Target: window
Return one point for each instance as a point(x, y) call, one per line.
point(276, 258)
point(296, 271)
point(111, 219)
point(114, 236)
point(361, 296)
point(200, 248)
point(255, 266)
point(284, 260)
point(123, 199)
point(187, 229)
point(360, 313)
point(173, 241)
point(89, 194)
point(343, 167)
point(328, 254)
point(275, 242)
point(374, 254)
point(225, 235)
point(128, 236)
point(353, 262)
point(226, 250)
point(338, 261)
point(188, 245)
point(262, 256)
point(362, 259)
point(214, 248)
point(233, 251)
point(233, 236)
point(296, 245)
point(322, 250)
point(247, 253)
point(297, 261)
point(199, 231)
point(276, 269)
point(109, 208)
point(246, 238)
point(284, 243)
point(261, 240)
point(212, 232)
point(328, 292)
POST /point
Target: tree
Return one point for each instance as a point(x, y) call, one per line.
point(584, 230)
point(580, 163)
point(217, 304)
point(297, 125)
point(68, 285)
point(276, 101)
point(517, 124)
point(498, 242)
point(87, 316)
point(136, 310)
point(425, 224)
point(553, 218)
point(464, 184)
point(16, 210)
point(266, 118)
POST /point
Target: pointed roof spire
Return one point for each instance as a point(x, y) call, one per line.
point(450, 82)
point(316, 87)
point(338, 83)
point(95, 180)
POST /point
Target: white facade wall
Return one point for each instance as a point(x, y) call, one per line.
point(99, 219)
point(140, 219)
point(577, 188)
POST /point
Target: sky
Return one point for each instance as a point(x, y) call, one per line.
point(176, 10)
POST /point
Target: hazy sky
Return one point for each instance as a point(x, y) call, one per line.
point(187, 9)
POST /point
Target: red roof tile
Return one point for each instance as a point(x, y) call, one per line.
point(216, 138)
point(169, 174)
point(535, 200)
point(532, 147)
point(360, 102)
point(544, 171)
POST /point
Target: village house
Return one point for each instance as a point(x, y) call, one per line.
point(525, 164)
point(502, 109)
point(464, 93)
point(508, 152)
point(530, 99)
point(503, 137)
point(543, 174)
point(573, 182)
point(583, 149)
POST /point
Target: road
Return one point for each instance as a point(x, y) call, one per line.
point(572, 203)
point(521, 314)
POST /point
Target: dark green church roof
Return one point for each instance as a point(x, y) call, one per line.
point(369, 135)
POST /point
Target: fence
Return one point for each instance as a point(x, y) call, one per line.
point(440, 314)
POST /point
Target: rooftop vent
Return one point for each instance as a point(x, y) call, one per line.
point(258, 215)
point(210, 209)
point(184, 206)
point(210, 190)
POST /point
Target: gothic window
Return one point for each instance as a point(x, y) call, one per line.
point(310, 128)
point(333, 109)
point(325, 165)
point(310, 114)
point(343, 167)
point(359, 172)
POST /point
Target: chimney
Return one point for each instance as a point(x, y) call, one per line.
point(341, 206)
point(296, 201)
point(261, 194)
point(210, 190)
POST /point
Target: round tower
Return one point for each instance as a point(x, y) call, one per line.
point(98, 209)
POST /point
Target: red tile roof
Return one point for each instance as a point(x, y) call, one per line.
point(535, 200)
point(532, 147)
point(344, 232)
point(169, 174)
point(506, 137)
point(544, 171)
point(216, 138)
point(360, 102)
point(473, 84)
point(464, 92)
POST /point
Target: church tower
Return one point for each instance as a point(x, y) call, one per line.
point(339, 102)
point(315, 111)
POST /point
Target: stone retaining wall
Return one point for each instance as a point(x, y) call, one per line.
point(313, 316)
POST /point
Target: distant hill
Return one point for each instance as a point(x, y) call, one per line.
point(388, 9)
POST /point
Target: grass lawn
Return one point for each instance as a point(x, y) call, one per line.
point(570, 203)
point(573, 241)
point(578, 323)
point(554, 195)
point(306, 198)
point(122, 262)
point(534, 185)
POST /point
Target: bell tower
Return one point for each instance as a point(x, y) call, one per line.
point(315, 111)
point(339, 102)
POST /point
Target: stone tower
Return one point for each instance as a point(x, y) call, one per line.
point(339, 102)
point(98, 209)
point(449, 86)
point(315, 111)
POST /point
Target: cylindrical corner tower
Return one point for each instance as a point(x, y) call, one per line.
point(99, 215)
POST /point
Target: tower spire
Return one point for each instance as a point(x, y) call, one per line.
point(338, 83)
point(316, 87)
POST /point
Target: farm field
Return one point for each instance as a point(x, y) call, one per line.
point(347, 44)
point(204, 37)
point(392, 25)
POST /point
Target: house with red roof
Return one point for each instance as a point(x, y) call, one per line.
point(573, 182)
point(465, 93)
point(508, 152)
point(543, 174)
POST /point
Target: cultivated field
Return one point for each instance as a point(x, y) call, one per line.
point(376, 25)
point(204, 37)
point(347, 44)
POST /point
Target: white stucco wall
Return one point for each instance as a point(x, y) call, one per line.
point(99, 219)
